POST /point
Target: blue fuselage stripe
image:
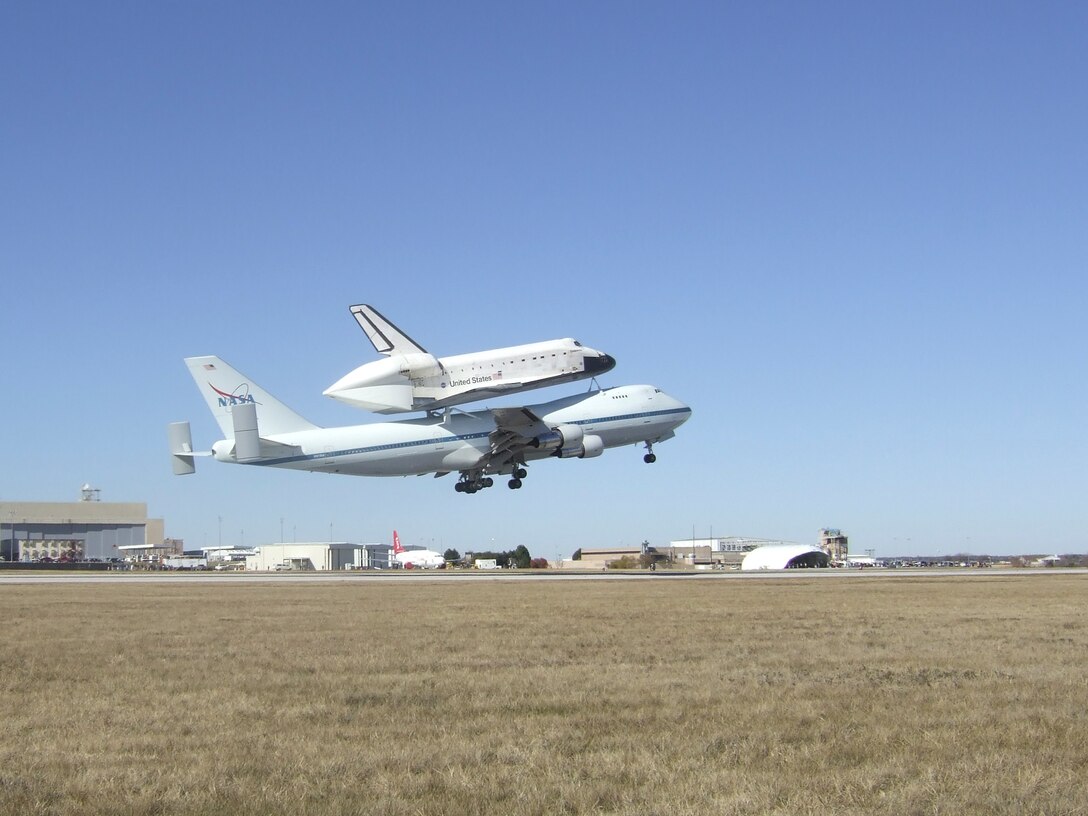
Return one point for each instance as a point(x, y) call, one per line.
point(458, 438)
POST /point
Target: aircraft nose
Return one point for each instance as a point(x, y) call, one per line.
point(600, 364)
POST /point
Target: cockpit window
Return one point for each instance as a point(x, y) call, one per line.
point(577, 343)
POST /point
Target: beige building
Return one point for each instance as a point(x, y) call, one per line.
point(78, 531)
point(318, 556)
point(834, 543)
point(600, 557)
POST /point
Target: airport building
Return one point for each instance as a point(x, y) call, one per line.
point(726, 552)
point(722, 552)
point(731, 551)
point(835, 544)
point(309, 556)
point(77, 531)
point(785, 556)
point(603, 557)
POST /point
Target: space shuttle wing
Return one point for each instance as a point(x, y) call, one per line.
point(497, 389)
point(386, 337)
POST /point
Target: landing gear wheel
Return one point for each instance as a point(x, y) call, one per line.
point(514, 484)
point(487, 482)
point(649, 458)
point(520, 473)
point(459, 487)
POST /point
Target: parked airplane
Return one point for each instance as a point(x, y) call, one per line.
point(410, 379)
point(416, 559)
point(260, 430)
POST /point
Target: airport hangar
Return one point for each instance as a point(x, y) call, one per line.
point(82, 531)
point(730, 552)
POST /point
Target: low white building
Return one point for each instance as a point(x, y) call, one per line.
point(860, 561)
point(785, 556)
point(320, 556)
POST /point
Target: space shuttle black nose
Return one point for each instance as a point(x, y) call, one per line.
point(601, 364)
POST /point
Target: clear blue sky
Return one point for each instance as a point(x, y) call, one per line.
point(852, 236)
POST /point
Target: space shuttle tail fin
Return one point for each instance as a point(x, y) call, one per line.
point(386, 337)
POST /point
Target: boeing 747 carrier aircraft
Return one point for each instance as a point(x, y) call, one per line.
point(260, 430)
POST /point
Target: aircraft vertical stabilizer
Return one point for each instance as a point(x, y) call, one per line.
point(224, 388)
point(386, 337)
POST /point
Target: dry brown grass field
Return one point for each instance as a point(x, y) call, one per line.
point(805, 696)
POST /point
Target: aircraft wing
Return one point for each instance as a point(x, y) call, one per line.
point(515, 429)
point(386, 337)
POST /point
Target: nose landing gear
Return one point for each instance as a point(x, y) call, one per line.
point(650, 456)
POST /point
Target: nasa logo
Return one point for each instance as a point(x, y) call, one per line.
point(237, 397)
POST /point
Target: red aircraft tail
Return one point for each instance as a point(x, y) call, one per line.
point(397, 548)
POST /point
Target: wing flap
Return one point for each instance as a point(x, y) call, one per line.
point(515, 429)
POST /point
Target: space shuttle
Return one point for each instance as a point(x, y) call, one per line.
point(409, 378)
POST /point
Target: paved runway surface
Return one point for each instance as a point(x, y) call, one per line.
point(505, 575)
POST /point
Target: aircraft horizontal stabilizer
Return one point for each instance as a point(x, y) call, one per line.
point(181, 449)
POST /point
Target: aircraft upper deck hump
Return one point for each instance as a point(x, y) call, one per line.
point(385, 336)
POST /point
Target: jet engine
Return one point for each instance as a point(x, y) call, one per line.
point(570, 442)
point(592, 445)
point(562, 436)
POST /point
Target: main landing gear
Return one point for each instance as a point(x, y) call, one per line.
point(474, 484)
point(650, 456)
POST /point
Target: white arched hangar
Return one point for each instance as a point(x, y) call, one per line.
point(785, 556)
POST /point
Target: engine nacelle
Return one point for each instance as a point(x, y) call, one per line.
point(559, 438)
point(419, 365)
point(590, 446)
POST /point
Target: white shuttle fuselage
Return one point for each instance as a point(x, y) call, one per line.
point(412, 379)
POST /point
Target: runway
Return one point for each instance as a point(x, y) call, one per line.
point(437, 576)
